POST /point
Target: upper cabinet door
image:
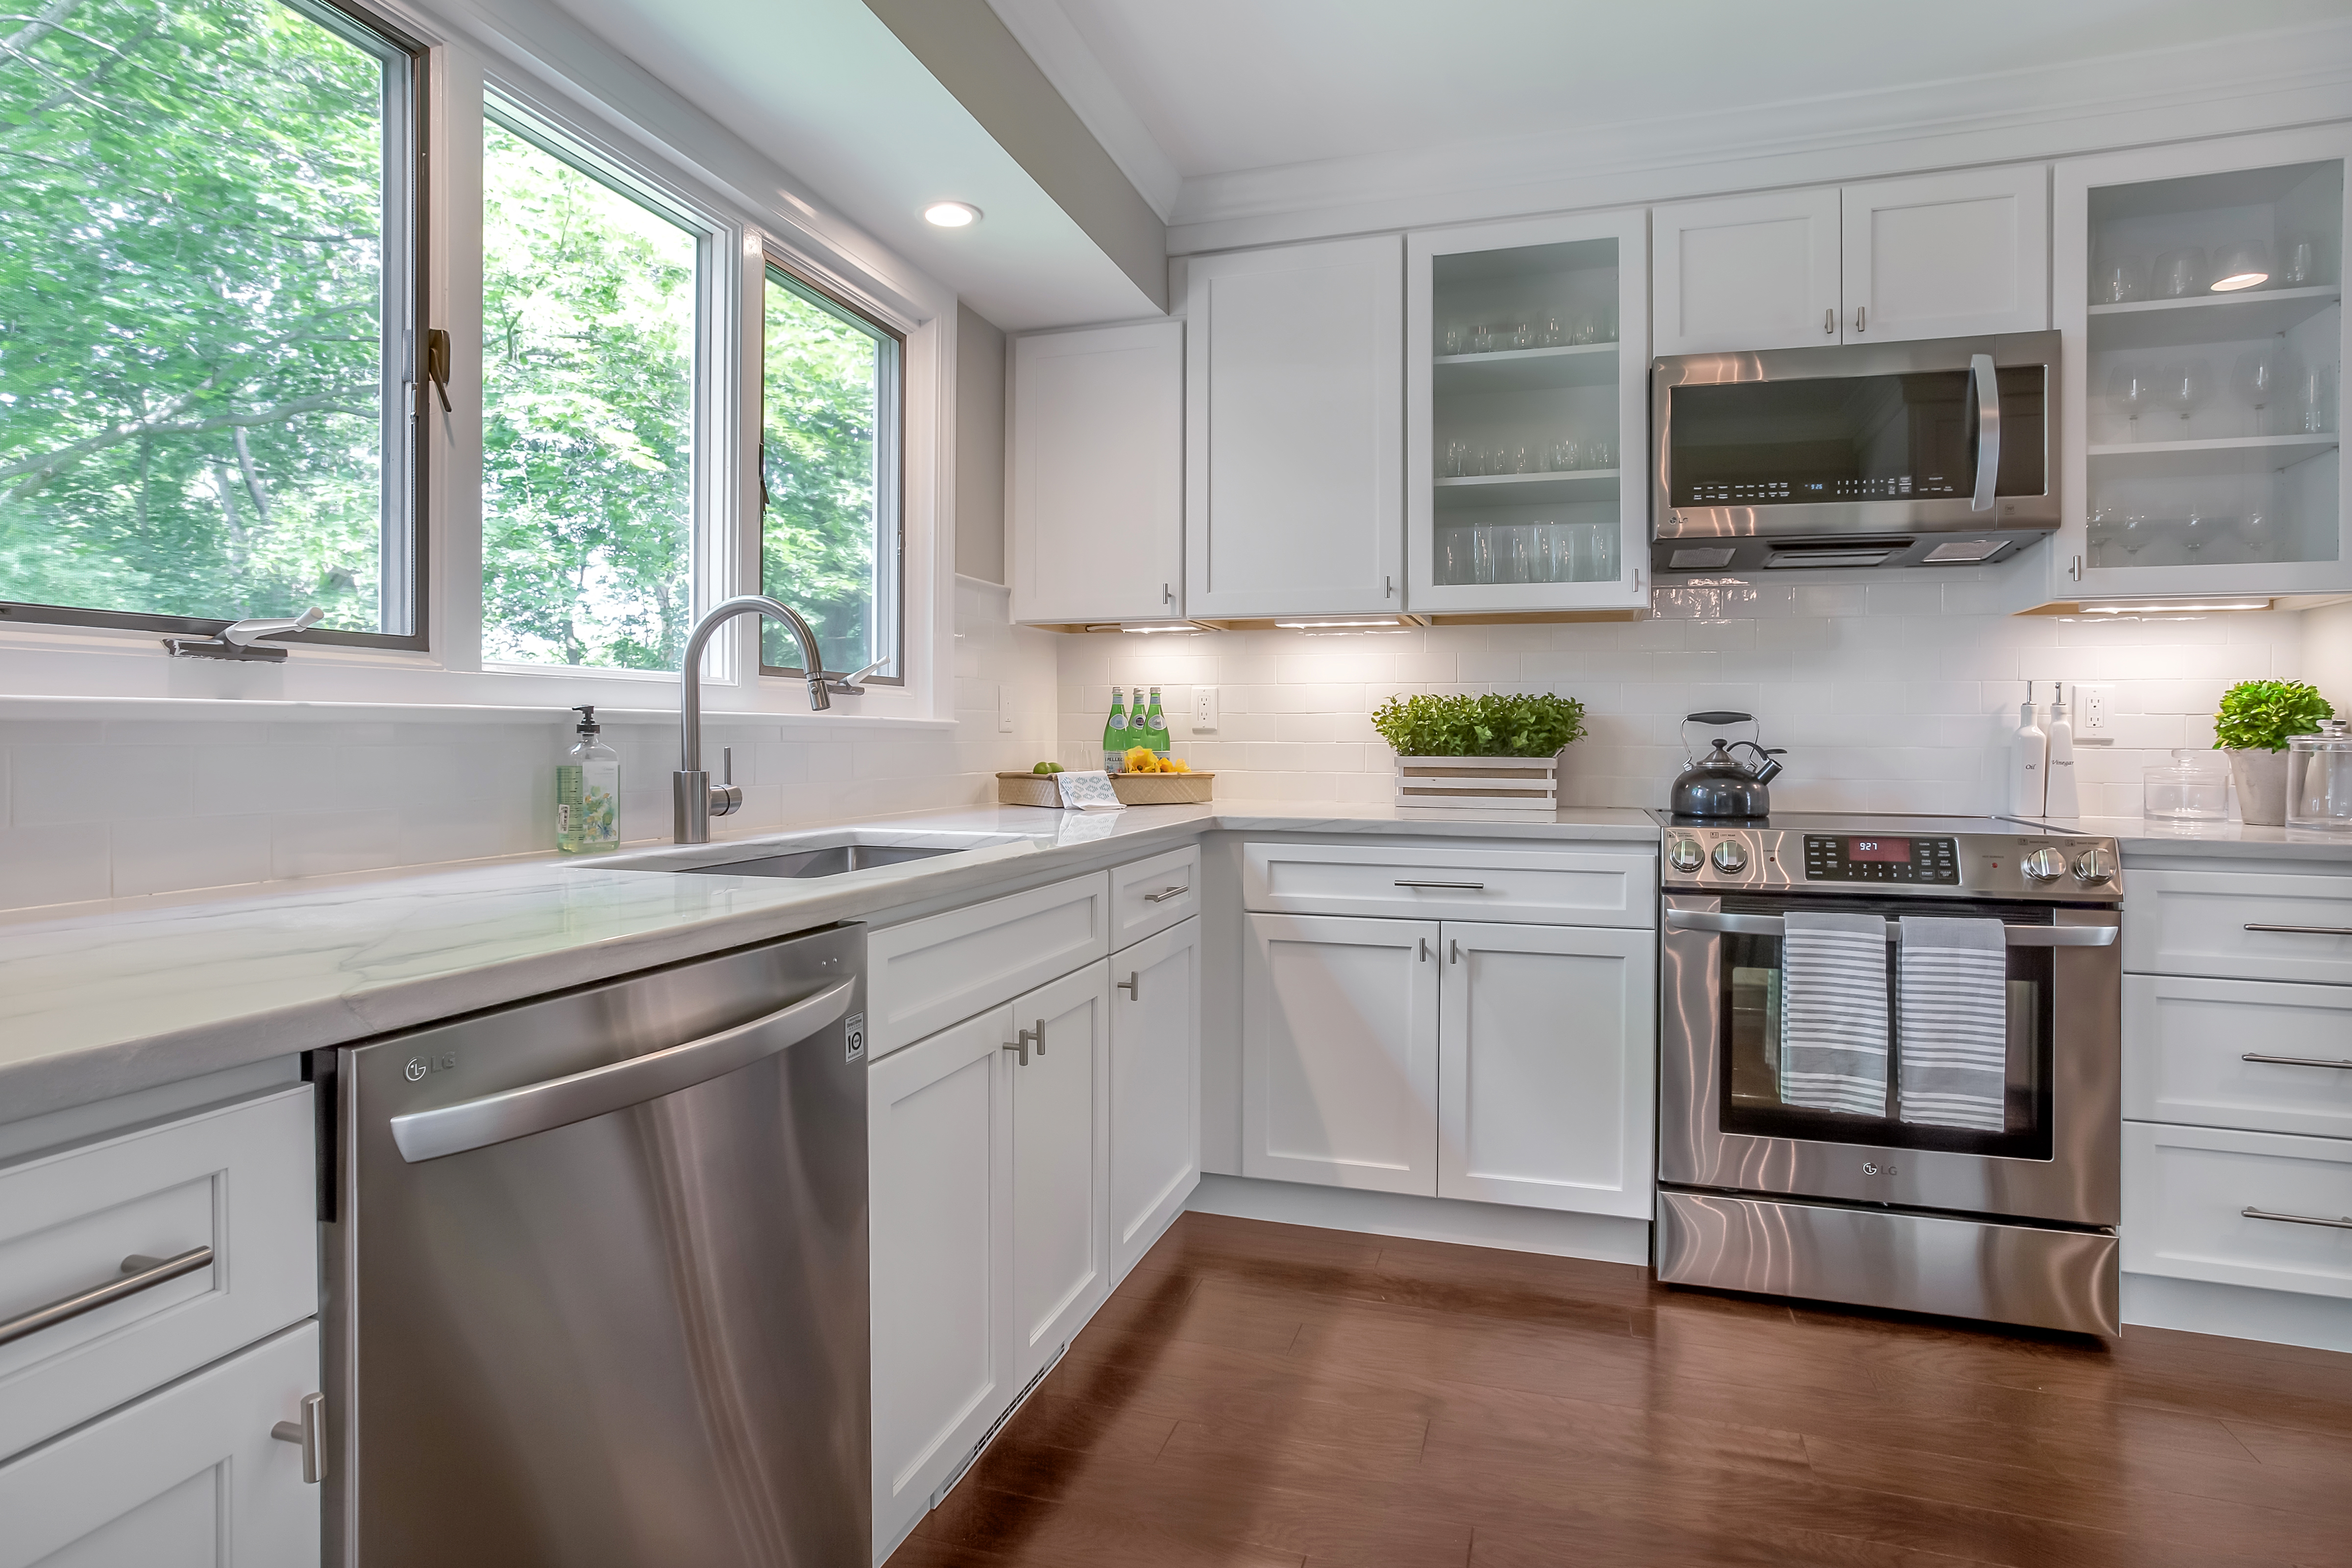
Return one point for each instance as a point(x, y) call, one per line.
point(1293, 495)
point(1095, 474)
point(1947, 255)
point(1746, 272)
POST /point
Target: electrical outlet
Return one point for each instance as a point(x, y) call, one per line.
point(1003, 709)
point(1205, 709)
point(2094, 713)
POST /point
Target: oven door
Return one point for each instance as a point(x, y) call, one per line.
point(1722, 1122)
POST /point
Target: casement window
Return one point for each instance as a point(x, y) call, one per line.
point(831, 536)
point(209, 317)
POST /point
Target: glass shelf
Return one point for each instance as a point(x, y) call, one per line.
point(1526, 370)
point(2207, 318)
point(1528, 490)
point(2293, 448)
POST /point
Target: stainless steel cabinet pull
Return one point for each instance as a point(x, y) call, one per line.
point(1829, 321)
point(1459, 887)
point(1455, 948)
point(1164, 894)
point(307, 1434)
point(145, 1274)
point(1861, 316)
point(2304, 930)
point(561, 1101)
point(1772, 925)
point(2295, 1061)
point(1036, 1037)
point(2252, 1213)
point(1425, 948)
point(1021, 1045)
point(1129, 985)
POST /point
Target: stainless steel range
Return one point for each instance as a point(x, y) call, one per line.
point(1909, 1113)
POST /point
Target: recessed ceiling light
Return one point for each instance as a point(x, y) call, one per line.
point(952, 215)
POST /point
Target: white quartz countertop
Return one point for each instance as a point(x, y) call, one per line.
point(2142, 838)
point(147, 992)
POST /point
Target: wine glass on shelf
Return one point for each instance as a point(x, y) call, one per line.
point(2118, 282)
point(2185, 386)
point(2257, 381)
point(2131, 389)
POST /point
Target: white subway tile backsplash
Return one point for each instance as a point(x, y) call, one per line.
point(59, 864)
point(165, 854)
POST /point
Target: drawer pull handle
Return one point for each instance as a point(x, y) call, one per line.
point(1135, 976)
point(308, 1435)
point(2304, 930)
point(2295, 1061)
point(1164, 894)
point(1452, 887)
point(140, 1274)
point(2252, 1213)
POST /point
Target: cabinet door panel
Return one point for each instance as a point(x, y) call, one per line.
point(1546, 1046)
point(1339, 1052)
point(1155, 1088)
point(1746, 272)
point(1094, 521)
point(2185, 1044)
point(1947, 255)
point(2186, 1191)
point(1294, 493)
point(939, 1170)
point(1061, 1165)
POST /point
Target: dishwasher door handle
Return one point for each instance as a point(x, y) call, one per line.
point(559, 1102)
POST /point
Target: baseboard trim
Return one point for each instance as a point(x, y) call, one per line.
point(1604, 1238)
point(2236, 1312)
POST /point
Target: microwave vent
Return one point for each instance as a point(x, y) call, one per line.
point(1964, 551)
point(1796, 552)
point(1712, 558)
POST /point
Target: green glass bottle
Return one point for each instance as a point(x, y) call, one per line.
point(1155, 727)
point(1115, 734)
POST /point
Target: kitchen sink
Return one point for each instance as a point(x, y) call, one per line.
point(802, 856)
point(830, 861)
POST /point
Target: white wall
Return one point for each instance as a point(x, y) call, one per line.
point(1890, 695)
point(92, 807)
point(2327, 653)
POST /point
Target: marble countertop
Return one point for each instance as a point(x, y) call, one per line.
point(2143, 838)
point(153, 990)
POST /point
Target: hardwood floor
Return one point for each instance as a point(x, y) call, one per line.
point(1270, 1396)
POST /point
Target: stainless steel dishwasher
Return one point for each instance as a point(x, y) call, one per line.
point(598, 1267)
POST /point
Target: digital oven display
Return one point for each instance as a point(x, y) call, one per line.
point(1844, 858)
point(1897, 850)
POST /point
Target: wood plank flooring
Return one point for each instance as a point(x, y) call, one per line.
point(1272, 1396)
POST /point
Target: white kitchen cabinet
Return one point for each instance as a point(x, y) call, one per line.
point(1061, 1165)
point(2239, 925)
point(2210, 494)
point(2188, 1190)
point(1546, 1063)
point(1526, 415)
point(927, 973)
point(1941, 256)
point(1155, 1088)
point(1294, 431)
point(189, 1477)
point(939, 1162)
point(1094, 475)
point(2254, 1055)
point(1339, 1052)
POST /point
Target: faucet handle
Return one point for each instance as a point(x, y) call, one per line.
point(727, 765)
point(726, 799)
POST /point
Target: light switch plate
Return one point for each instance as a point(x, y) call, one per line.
point(1003, 709)
point(1205, 709)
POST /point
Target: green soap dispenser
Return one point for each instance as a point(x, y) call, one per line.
point(588, 793)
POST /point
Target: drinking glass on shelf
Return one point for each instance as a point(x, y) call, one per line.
point(1607, 325)
point(2106, 523)
point(1554, 335)
point(2200, 529)
point(2258, 534)
point(2310, 389)
point(2181, 273)
point(1523, 333)
point(2137, 530)
point(2131, 389)
point(2302, 268)
point(2257, 381)
point(1556, 567)
point(1519, 553)
point(1452, 465)
point(2118, 283)
point(1566, 455)
point(1482, 559)
point(1456, 341)
point(1482, 338)
point(1453, 555)
point(1601, 452)
point(2185, 386)
point(1603, 549)
point(1524, 461)
point(1588, 328)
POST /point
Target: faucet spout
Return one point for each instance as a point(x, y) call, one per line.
point(694, 799)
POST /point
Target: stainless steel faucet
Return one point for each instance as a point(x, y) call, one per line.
point(694, 799)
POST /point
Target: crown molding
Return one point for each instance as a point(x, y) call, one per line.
point(1044, 31)
point(2254, 82)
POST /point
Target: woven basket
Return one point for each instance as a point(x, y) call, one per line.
point(1443, 785)
point(1132, 789)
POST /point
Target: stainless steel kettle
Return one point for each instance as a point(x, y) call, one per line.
point(1720, 784)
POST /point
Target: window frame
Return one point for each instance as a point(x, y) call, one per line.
point(890, 473)
point(406, 485)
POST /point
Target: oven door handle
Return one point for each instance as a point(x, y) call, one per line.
point(1772, 925)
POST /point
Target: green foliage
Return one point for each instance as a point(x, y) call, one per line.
point(1489, 726)
point(2259, 715)
point(189, 311)
point(822, 379)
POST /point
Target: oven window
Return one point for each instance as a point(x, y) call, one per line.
point(1752, 1063)
point(1846, 438)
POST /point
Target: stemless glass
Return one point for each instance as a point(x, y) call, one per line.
point(1519, 553)
point(2181, 273)
point(1482, 338)
point(2302, 268)
point(1457, 338)
point(1482, 560)
point(1601, 452)
point(1523, 333)
point(1554, 335)
point(2311, 389)
point(1454, 461)
point(2118, 283)
point(1453, 555)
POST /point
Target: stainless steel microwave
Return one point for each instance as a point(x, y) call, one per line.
point(1934, 453)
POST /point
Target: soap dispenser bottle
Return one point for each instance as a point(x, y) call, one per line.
point(588, 791)
point(2029, 757)
point(2062, 793)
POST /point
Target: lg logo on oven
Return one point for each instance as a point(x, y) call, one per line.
point(1872, 1168)
point(419, 1066)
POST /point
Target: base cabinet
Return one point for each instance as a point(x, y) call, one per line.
point(1061, 1165)
point(1155, 1088)
point(187, 1478)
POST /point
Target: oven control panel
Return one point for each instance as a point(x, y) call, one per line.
point(1881, 858)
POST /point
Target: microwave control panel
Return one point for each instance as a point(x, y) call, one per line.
point(1879, 857)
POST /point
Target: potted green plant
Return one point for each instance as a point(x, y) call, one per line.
point(1492, 753)
point(2255, 720)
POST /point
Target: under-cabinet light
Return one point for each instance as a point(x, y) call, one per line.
point(1341, 623)
point(2242, 265)
point(1148, 628)
point(952, 215)
point(2170, 607)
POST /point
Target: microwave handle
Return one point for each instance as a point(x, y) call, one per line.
point(1986, 382)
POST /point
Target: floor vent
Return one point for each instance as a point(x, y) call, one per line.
point(947, 1486)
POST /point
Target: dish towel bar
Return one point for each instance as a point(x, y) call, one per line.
point(1773, 925)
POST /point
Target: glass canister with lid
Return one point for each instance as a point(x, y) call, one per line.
point(2193, 787)
point(2319, 779)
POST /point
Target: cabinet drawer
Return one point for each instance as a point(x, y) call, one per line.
point(1501, 882)
point(2185, 1191)
point(927, 973)
point(2207, 922)
point(187, 1476)
point(239, 1180)
point(2186, 1044)
point(1151, 896)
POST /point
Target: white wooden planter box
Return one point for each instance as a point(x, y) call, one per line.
point(1448, 786)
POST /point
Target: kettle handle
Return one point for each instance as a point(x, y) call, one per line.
point(1712, 716)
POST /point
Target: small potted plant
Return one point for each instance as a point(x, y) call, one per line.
point(2255, 721)
point(1479, 753)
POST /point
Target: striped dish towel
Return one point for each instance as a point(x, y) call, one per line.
point(1833, 1012)
point(1953, 995)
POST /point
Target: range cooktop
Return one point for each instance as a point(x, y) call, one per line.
point(1913, 857)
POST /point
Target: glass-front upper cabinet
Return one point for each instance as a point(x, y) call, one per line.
point(2200, 292)
point(1527, 352)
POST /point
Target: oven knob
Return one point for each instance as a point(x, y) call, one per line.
point(2093, 866)
point(1731, 857)
point(1684, 854)
point(2044, 865)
